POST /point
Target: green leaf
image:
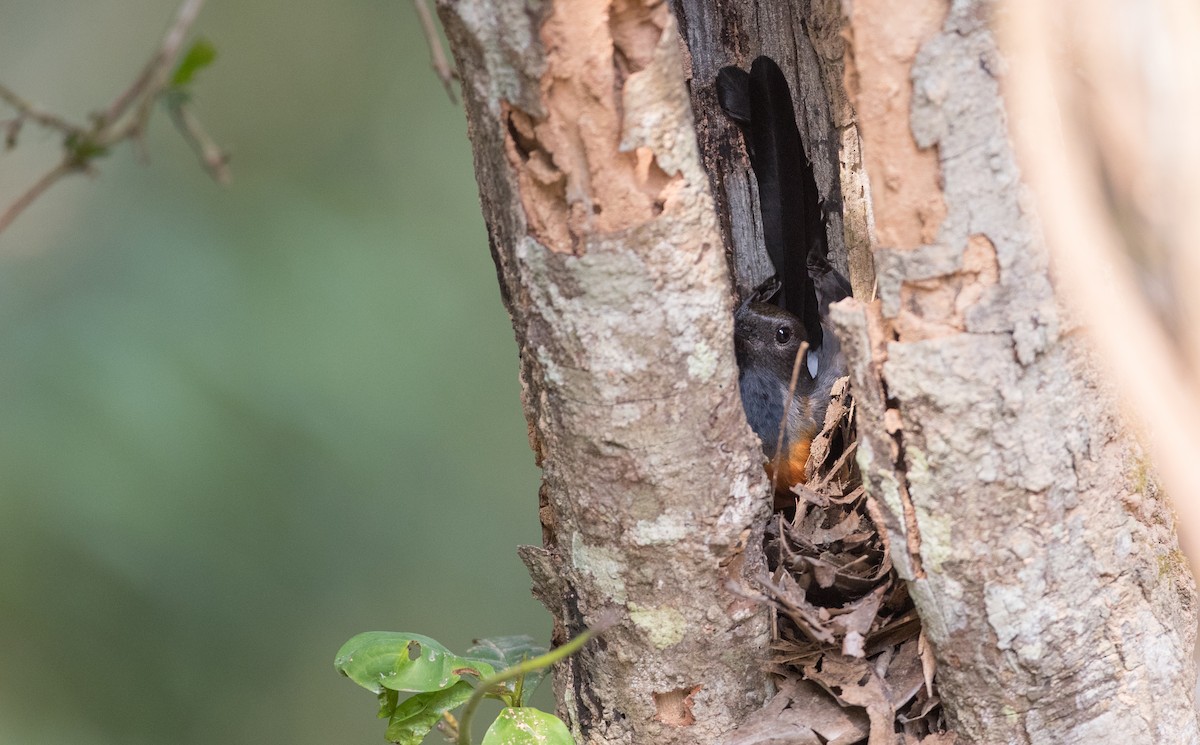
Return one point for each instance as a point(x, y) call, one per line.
point(379, 660)
point(527, 726)
point(414, 718)
point(505, 651)
point(199, 56)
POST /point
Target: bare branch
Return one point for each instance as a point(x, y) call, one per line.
point(116, 123)
point(214, 158)
point(12, 130)
point(65, 166)
point(154, 74)
point(34, 113)
point(437, 55)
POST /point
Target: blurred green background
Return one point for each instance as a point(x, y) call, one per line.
point(238, 426)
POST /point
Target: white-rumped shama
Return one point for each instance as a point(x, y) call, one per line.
point(773, 323)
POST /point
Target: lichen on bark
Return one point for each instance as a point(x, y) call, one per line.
point(611, 265)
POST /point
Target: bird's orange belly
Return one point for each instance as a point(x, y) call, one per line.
point(788, 470)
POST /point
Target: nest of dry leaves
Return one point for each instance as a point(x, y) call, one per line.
point(851, 663)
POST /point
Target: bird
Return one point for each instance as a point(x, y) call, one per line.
point(781, 329)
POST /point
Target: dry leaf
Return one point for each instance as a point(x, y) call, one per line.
point(847, 646)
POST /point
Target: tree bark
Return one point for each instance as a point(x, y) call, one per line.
point(1118, 187)
point(1041, 557)
point(1026, 520)
point(611, 265)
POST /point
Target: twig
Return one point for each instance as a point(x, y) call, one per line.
point(65, 166)
point(159, 65)
point(437, 56)
point(215, 159)
point(116, 123)
point(12, 130)
point(34, 113)
point(779, 457)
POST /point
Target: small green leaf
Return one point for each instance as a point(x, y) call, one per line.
point(414, 718)
point(505, 651)
point(379, 660)
point(527, 726)
point(199, 56)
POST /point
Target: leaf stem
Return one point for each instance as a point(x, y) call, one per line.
point(507, 674)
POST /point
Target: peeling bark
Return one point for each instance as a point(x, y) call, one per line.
point(609, 258)
point(1042, 559)
point(884, 37)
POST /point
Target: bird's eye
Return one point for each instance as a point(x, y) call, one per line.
point(783, 335)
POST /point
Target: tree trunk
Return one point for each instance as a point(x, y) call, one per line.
point(611, 265)
point(1041, 557)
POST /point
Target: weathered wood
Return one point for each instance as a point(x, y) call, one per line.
point(805, 39)
point(611, 265)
